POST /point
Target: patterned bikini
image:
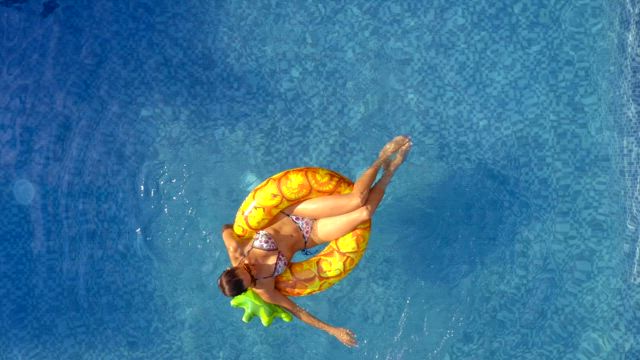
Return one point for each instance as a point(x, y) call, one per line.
point(305, 225)
point(264, 241)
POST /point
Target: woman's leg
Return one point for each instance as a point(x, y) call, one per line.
point(339, 204)
point(331, 228)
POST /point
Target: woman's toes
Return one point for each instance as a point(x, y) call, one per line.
point(402, 153)
point(393, 146)
point(401, 140)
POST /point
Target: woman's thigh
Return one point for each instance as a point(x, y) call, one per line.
point(325, 206)
point(330, 228)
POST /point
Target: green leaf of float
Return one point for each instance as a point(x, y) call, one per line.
point(254, 305)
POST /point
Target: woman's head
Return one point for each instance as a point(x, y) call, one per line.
point(234, 281)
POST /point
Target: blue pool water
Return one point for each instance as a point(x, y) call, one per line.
point(129, 133)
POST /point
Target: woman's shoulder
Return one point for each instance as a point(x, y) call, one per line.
point(265, 285)
point(234, 246)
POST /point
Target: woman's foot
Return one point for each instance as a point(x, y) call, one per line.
point(391, 147)
point(390, 166)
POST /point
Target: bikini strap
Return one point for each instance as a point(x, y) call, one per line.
point(275, 267)
point(260, 278)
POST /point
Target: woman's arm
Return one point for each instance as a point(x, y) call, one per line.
point(232, 243)
point(275, 297)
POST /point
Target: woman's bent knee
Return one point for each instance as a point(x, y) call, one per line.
point(365, 212)
point(360, 199)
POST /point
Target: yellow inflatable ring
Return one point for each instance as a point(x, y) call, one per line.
point(290, 187)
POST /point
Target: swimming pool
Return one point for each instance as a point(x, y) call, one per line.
point(129, 133)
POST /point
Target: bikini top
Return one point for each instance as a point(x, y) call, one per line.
point(263, 241)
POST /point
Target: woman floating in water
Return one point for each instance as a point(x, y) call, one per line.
point(302, 226)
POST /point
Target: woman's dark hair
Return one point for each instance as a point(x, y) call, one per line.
point(230, 283)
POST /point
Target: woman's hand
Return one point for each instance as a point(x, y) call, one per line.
point(345, 336)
